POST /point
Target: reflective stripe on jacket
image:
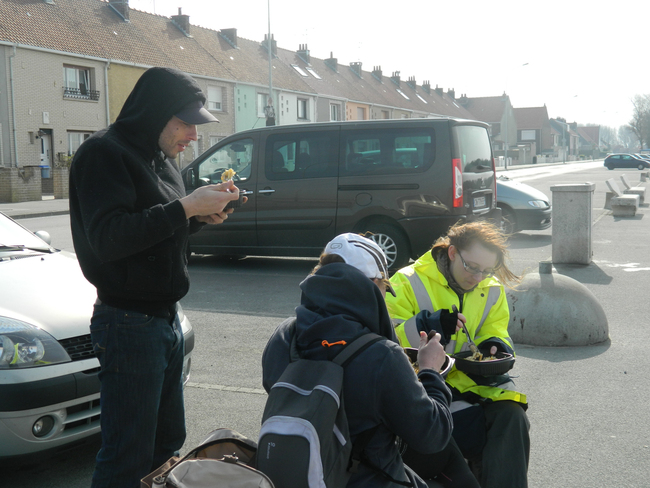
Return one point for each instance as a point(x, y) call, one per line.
point(422, 286)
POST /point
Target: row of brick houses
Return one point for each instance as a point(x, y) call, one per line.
point(66, 67)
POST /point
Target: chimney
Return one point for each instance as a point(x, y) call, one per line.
point(182, 22)
point(332, 63)
point(303, 52)
point(230, 35)
point(121, 7)
point(438, 90)
point(395, 77)
point(274, 45)
point(463, 100)
point(411, 82)
point(356, 68)
point(426, 86)
point(452, 93)
point(376, 72)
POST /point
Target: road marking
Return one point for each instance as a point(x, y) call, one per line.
point(629, 267)
point(236, 389)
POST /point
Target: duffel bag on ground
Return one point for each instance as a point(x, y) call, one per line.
point(224, 459)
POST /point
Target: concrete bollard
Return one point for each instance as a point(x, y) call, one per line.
point(550, 309)
point(571, 235)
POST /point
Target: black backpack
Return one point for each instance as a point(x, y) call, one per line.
point(304, 440)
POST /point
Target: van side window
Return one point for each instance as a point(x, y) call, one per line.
point(472, 147)
point(236, 155)
point(388, 151)
point(301, 155)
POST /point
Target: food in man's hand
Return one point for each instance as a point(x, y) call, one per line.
point(228, 175)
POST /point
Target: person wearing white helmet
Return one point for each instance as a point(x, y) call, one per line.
point(341, 300)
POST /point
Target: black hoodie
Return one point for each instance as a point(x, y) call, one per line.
point(380, 387)
point(128, 226)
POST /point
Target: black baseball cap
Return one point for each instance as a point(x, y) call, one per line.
point(195, 113)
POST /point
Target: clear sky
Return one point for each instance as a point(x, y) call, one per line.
point(583, 60)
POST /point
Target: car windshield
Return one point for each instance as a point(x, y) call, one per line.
point(14, 237)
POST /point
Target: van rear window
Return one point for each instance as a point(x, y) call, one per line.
point(387, 151)
point(472, 147)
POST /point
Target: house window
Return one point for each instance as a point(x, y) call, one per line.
point(214, 98)
point(361, 113)
point(262, 100)
point(302, 109)
point(75, 139)
point(385, 114)
point(299, 70)
point(78, 83)
point(335, 111)
point(313, 73)
point(528, 135)
point(214, 140)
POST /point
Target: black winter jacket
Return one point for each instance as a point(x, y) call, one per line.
point(380, 387)
point(129, 228)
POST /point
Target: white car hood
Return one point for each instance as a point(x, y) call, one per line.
point(48, 291)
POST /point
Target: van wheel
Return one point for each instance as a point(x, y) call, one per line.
point(508, 222)
point(392, 242)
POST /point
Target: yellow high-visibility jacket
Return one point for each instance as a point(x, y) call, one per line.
point(422, 286)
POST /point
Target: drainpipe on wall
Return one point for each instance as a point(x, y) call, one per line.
point(108, 109)
point(13, 105)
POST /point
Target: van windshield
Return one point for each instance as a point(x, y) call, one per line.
point(472, 147)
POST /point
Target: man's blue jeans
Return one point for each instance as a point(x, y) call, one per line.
point(142, 410)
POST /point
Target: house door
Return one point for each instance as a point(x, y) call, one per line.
point(46, 148)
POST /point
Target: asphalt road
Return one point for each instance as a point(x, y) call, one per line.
point(588, 405)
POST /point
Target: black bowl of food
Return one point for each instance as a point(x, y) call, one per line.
point(500, 363)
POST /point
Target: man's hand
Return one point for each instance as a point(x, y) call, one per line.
point(431, 354)
point(207, 202)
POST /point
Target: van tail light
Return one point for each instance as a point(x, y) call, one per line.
point(494, 172)
point(457, 183)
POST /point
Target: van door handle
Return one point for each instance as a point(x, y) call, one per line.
point(246, 192)
point(266, 191)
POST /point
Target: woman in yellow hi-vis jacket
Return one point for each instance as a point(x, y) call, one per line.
point(460, 280)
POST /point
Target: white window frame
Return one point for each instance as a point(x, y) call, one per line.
point(215, 98)
point(78, 82)
point(262, 100)
point(528, 134)
point(335, 111)
point(75, 139)
point(302, 109)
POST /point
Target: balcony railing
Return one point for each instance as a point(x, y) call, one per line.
point(80, 93)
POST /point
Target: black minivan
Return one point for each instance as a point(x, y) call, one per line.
point(404, 182)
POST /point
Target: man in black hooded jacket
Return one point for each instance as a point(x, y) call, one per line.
point(341, 301)
point(130, 221)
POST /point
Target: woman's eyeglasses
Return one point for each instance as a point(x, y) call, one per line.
point(474, 271)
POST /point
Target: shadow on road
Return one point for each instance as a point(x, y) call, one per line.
point(591, 273)
point(561, 354)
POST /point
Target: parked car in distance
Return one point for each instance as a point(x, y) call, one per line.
point(49, 389)
point(404, 182)
point(522, 206)
point(626, 160)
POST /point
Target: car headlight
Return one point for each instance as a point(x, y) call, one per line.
point(23, 345)
point(538, 204)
